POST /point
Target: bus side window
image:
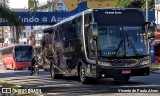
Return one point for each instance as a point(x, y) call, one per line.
point(69, 32)
point(56, 38)
point(87, 21)
point(61, 33)
point(73, 30)
point(78, 26)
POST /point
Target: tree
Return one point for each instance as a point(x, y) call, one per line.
point(11, 17)
point(32, 5)
point(135, 4)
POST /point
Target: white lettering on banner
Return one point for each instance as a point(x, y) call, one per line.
point(53, 19)
point(32, 19)
point(44, 19)
point(3, 20)
point(36, 20)
point(58, 19)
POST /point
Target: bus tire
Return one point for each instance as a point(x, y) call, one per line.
point(36, 72)
point(82, 76)
point(13, 67)
point(52, 72)
point(6, 68)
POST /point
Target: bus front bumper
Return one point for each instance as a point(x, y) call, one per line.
point(131, 71)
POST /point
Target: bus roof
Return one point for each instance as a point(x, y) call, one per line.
point(49, 29)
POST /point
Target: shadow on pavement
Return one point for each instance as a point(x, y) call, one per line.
point(18, 73)
point(70, 86)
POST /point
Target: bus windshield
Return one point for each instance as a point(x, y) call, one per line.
point(23, 53)
point(121, 41)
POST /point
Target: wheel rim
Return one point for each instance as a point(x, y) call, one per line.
point(82, 74)
point(52, 72)
point(36, 72)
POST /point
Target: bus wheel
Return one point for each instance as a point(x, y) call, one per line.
point(13, 67)
point(5, 67)
point(82, 76)
point(52, 71)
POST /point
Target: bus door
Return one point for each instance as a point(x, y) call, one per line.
point(63, 46)
point(69, 36)
point(58, 48)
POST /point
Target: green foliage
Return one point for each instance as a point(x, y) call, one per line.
point(135, 4)
point(12, 19)
point(155, 67)
point(37, 49)
point(32, 5)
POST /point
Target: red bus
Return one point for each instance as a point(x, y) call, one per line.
point(157, 53)
point(157, 47)
point(17, 56)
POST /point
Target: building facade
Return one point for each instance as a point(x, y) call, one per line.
point(67, 5)
point(36, 38)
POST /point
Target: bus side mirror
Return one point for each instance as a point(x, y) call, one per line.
point(94, 30)
point(152, 29)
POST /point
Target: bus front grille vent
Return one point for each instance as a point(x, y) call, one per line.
point(124, 62)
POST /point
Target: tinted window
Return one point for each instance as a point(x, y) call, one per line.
point(56, 37)
point(7, 51)
point(23, 53)
point(119, 17)
point(78, 26)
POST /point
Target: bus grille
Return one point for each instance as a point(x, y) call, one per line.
point(124, 62)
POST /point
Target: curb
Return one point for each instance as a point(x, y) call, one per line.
point(156, 72)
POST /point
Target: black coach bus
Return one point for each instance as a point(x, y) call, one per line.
point(96, 43)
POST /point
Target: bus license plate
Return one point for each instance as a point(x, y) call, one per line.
point(36, 65)
point(126, 71)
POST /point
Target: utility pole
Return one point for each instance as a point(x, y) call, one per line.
point(148, 41)
point(4, 4)
point(146, 10)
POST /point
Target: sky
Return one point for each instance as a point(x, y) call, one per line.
point(21, 3)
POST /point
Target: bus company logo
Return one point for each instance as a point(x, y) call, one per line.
point(6, 90)
point(22, 91)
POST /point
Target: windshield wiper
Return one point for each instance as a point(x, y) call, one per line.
point(119, 45)
point(130, 43)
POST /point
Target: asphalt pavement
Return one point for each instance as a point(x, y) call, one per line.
point(70, 86)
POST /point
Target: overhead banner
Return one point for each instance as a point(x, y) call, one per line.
point(44, 18)
point(51, 18)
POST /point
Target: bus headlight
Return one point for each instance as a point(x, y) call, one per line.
point(104, 63)
point(145, 62)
